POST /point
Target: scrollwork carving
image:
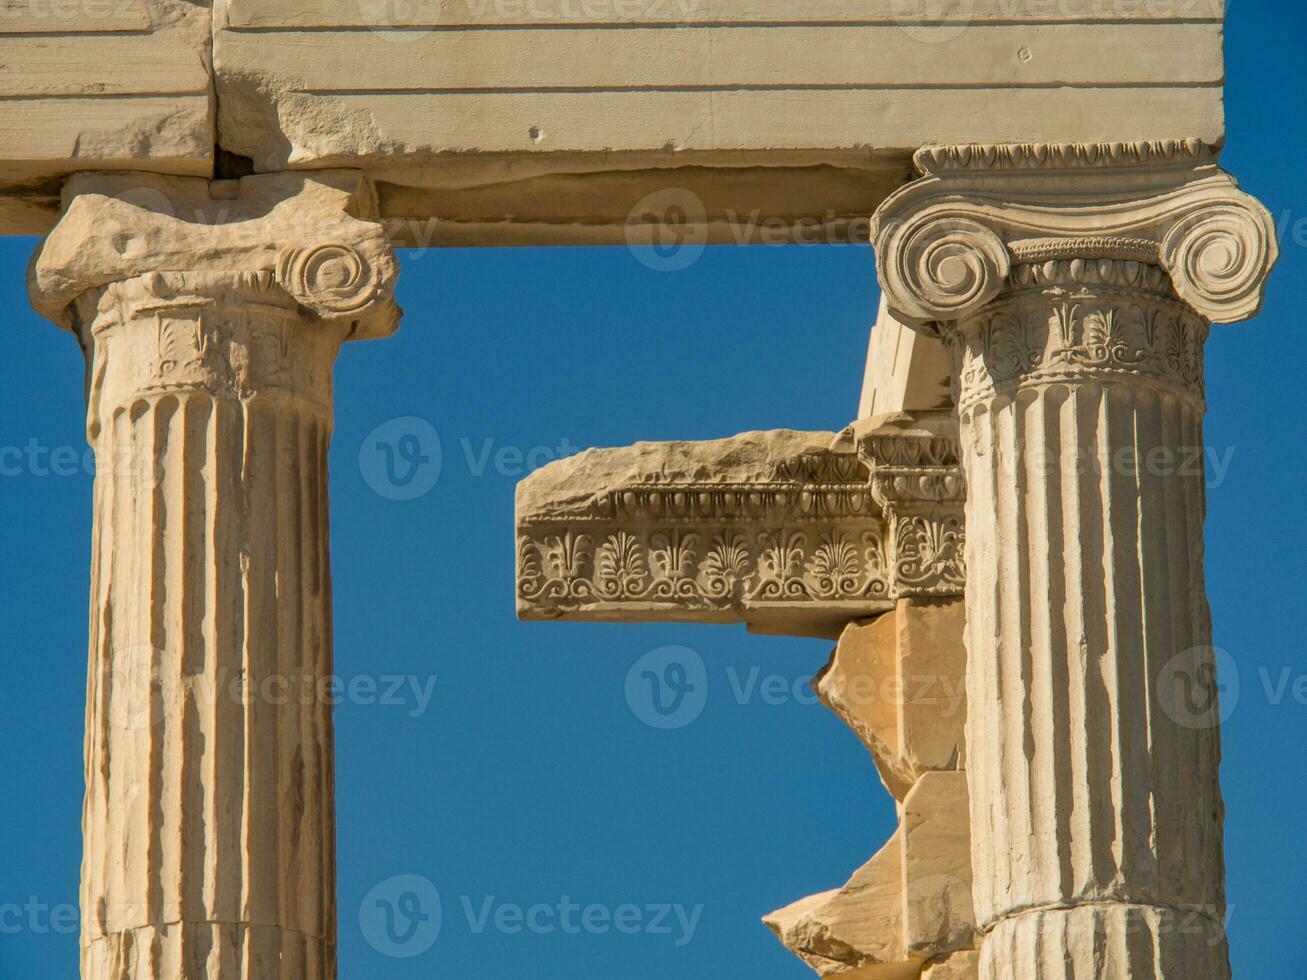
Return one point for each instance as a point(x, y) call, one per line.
point(929, 552)
point(941, 266)
point(803, 536)
point(946, 242)
point(1220, 258)
point(917, 478)
point(330, 280)
point(810, 538)
point(566, 572)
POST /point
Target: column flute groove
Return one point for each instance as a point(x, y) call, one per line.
point(1087, 861)
point(209, 818)
point(1074, 289)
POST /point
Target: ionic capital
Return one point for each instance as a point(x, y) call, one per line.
point(307, 242)
point(948, 243)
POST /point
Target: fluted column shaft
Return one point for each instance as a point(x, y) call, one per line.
point(211, 316)
point(1075, 286)
point(1097, 801)
point(209, 815)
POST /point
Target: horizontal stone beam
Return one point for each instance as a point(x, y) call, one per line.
point(789, 532)
point(775, 529)
point(99, 85)
point(496, 122)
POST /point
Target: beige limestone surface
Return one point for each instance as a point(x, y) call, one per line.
point(960, 966)
point(907, 371)
point(552, 121)
point(911, 904)
point(853, 932)
point(504, 122)
point(211, 316)
point(899, 681)
point(1075, 289)
point(937, 911)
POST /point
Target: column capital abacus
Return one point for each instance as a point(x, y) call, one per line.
point(949, 243)
point(307, 243)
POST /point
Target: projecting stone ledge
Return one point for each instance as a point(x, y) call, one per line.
point(776, 529)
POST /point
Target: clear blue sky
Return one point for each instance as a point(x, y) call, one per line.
point(528, 779)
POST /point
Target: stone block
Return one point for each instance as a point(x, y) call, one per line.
point(936, 837)
point(854, 932)
point(960, 966)
point(899, 682)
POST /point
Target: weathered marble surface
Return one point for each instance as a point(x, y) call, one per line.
point(1075, 289)
point(211, 317)
point(550, 121)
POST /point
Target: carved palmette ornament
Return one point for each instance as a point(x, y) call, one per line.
point(916, 477)
point(714, 567)
point(1077, 320)
point(806, 536)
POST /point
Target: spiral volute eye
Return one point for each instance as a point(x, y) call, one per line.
point(944, 268)
point(1219, 261)
point(330, 280)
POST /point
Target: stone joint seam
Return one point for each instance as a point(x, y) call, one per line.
point(1103, 903)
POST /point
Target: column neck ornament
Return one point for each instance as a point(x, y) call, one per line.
point(1080, 319)
point(988, 220)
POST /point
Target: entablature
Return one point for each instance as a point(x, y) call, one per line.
point(789, 532)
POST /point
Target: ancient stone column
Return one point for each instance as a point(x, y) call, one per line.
point(1074, 287)
point(210, 315)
